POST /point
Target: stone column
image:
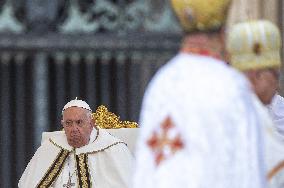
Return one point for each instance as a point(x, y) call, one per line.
point(40, 90)
point(6, 120)
point(270, 10)
point(242, 10)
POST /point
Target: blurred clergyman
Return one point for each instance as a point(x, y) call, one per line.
point(254, 49)
point(191, 134)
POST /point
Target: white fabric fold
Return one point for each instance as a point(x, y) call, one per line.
point(276, 109)
point(109, 161)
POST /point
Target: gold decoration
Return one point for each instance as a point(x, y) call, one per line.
point(108, 120)
point(254, 44)
point(55, 144)
point(83, 171)
point(257, 48)
point(54, 170)
point(276, 169)
point(201, 15)
point(103, 149)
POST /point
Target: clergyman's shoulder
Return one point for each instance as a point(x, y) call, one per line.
point(51, 135)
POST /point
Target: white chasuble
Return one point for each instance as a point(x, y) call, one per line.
point(274, 148)
point(105, 162)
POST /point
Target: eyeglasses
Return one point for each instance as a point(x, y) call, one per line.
point(69, 123)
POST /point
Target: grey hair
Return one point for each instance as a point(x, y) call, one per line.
point(89, 114)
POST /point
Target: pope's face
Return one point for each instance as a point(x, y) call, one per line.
point(78, 126)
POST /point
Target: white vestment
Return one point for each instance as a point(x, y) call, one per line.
point(191, 135)
point(105, 162)
point(274, 147)
point(276, 109)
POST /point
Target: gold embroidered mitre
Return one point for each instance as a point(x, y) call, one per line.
point(108, 120)
point(201, 15)
point(254, 45)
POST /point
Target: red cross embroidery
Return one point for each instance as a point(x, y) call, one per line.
point(161, 144)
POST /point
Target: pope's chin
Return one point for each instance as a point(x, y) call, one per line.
point(74, 143)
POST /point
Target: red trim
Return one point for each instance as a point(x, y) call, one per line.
point(202, 51)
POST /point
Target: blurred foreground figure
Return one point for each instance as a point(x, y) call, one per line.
point(254, 49)
point(199, 125)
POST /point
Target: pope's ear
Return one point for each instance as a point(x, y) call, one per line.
point(93, 122)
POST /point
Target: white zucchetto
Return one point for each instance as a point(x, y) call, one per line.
point(77, 103)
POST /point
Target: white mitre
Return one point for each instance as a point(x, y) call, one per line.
point(77, 103)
